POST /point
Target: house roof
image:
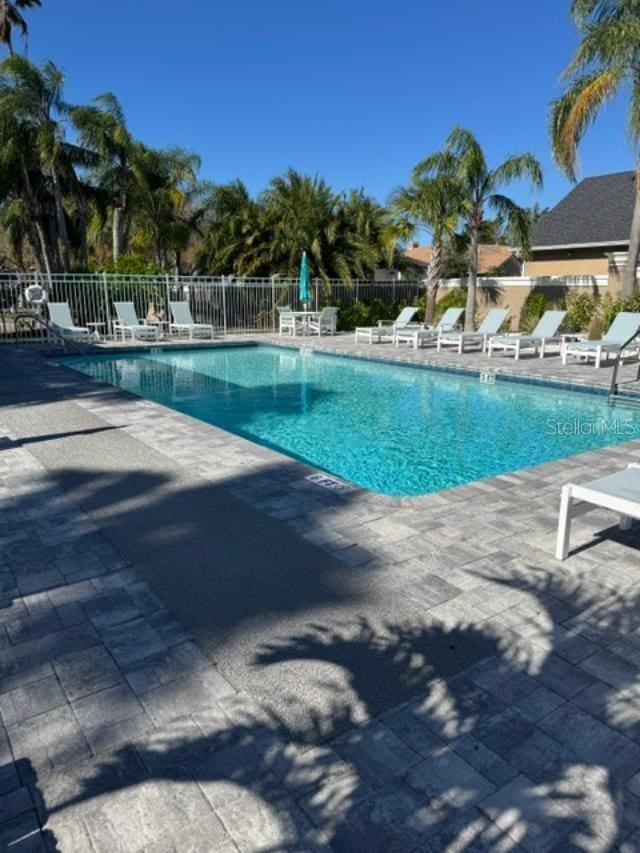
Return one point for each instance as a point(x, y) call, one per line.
point(490, 255)
point(596, 212)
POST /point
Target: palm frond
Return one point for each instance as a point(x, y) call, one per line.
point(518, 167)
point(516, 218)
point(573, 112)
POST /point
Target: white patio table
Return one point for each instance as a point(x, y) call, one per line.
point(304, 317)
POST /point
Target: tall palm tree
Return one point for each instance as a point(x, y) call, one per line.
point(606, 62)
point(432, 204)
point(167, 199)
point(102, 127)
point(33, 97)
point(11, 17)
point(463, 161)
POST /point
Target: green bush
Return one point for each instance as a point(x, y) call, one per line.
point(581, 307)
point(132, 264)
point(534, 307)
point(456, 298)
point(610, 307)
point(355, 314)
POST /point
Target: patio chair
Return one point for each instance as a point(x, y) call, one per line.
point(489, 326)
point(128, 322)
point(546, 331)
point(287, 321)
point(326, 322)
point(428, 334)
point(619, 492)
point(385, 329)
point(625, 326)
point(183, 322)
point(61, 323)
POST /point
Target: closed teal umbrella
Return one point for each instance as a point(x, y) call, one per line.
point(304, 280)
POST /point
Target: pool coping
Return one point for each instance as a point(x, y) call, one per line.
point(301, 470)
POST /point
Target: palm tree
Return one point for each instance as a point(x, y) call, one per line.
point(102, 127)
point(11, 17)
point(32, 97)
point(463, 161)
point(606, 62)
point(167, 199)
point(232, 232)
point(433, 204)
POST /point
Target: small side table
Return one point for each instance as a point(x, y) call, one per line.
point(570, 338)
point(96, 334)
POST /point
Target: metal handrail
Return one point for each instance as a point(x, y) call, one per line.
point(613, 388)
point(36, 320)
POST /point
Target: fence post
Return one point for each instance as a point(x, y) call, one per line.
point(273, 303)
point(357, 291)
point(224, 304)
point(317, 289)
point(107, 312)
point(167, 294)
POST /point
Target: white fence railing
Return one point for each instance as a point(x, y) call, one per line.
point(231, 305)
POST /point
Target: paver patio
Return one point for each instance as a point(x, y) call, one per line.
point(202, 650)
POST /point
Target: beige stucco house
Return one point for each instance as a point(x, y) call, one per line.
point(587, 233)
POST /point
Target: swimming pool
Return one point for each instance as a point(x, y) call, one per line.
point(389, 428)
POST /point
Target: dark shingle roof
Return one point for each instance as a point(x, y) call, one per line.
point(597, 210)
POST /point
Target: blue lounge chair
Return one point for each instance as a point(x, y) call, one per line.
point(546, 331)
point(384, 329)
point(489, 326)
point(419, 336)
point(624, 327)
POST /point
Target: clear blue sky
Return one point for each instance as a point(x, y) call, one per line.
point(354, 91)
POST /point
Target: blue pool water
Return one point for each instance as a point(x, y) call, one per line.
point(389, 428)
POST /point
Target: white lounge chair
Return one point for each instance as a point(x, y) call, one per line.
point(183, 322)
point(128, 322)
point(619, 492)
point(61, 322)
point(489, 326)
point(385, 329)
point(545, 332)
point(428, 334)
point(326, 322)
point(625, 325)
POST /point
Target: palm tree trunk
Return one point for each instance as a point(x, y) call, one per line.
point(434, 274)
point(629, 278)
point(470, 310)
point(44, 249)
point(118, 232)
point(61, 222)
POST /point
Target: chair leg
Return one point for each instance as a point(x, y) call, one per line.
point(564, 524)
point(542, 342)
point(625, 522)
point(517, 352)
point(598, 356)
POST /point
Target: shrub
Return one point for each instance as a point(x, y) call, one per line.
point(456, 298)
point(534, 307)
point(132, 264)
point(355, 314)
point(607, 309)
point(581, 307)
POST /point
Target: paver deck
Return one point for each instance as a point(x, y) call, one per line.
point(202, 650)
